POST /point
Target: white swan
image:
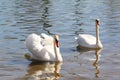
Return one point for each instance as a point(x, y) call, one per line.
point(89, 41)
point(43, 47)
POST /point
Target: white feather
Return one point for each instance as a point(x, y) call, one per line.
point(42, 48)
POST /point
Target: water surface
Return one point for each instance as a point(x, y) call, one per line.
point(67, 18)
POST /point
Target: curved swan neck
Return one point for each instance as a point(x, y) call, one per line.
point(57, 52)
point(97, 34)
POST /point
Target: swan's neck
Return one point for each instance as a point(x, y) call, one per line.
point(97, 35)
point(57, 53)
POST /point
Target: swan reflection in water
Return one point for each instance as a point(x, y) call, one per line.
point(97, 55)
point(43, 71)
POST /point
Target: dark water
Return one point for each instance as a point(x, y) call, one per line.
point(67, 18)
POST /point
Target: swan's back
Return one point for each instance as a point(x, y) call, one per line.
point(46, 39)
point(33, 43)
point(41, 48)
point(86, 40)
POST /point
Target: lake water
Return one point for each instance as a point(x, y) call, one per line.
point(67, 18)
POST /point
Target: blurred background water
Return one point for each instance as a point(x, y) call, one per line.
point(67, 18)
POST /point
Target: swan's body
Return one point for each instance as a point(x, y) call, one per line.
point(89, 41)
point(43, 47)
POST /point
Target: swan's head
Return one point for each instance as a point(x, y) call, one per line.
point(97, 21)
point(56, 38)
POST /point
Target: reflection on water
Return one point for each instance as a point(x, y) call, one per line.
point(43, 71)
point(32, 16)
point(97, 55)
point(67, 18)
